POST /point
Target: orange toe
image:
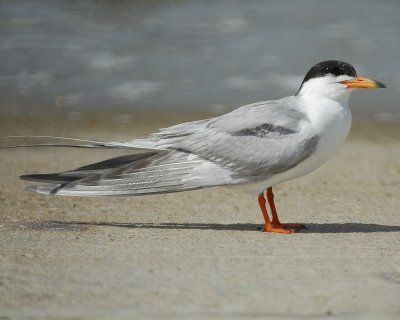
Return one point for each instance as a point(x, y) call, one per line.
point(276, 229)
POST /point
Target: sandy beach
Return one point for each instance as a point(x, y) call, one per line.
point(200, 254)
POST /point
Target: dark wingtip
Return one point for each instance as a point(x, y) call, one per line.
point(28, 177)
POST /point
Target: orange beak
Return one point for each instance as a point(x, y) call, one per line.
point(362, 82)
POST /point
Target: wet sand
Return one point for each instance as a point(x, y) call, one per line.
point(200, 255)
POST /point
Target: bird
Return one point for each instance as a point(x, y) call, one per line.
point(263, 143)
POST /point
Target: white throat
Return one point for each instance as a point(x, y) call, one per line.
point(328, 87)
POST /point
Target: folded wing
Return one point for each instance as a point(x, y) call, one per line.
point(249, 144)
point(145, 173)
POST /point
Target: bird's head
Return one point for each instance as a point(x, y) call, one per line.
point(335, 80)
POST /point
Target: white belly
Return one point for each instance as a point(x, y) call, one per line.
point(333, 129)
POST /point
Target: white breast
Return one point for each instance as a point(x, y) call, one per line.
point(328, 119)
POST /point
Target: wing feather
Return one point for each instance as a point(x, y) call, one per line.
point(168, 171)
point(248, 144)
point(261, 139)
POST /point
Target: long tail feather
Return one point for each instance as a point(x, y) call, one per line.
point(9, 142)
point(140, 174)
point(48, 141)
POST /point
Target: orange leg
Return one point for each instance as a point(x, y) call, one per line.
point(269, 227)
point(275, 220)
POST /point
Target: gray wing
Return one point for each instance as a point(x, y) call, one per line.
point(255, 140)
point(140, 174)
point(250, 143)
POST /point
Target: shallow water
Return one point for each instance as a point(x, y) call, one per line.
point(67, 57)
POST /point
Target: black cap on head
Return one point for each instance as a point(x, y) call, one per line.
point(333, 67)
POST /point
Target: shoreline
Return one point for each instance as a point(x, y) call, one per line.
point(199, 254)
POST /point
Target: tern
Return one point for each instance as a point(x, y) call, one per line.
point(266, 142)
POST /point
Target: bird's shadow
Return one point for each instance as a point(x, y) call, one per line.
point(310, 228)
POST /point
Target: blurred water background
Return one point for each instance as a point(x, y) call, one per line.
point(69, 58)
